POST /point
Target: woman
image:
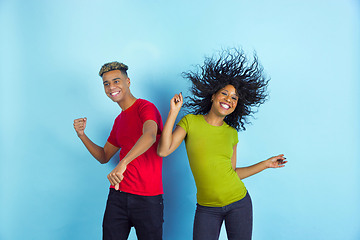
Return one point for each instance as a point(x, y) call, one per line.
point(225, 91)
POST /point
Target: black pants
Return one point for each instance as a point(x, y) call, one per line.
point(125, 210)
point(237, 217)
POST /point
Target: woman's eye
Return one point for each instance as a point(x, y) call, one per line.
point(224, 93)
point(234, 98)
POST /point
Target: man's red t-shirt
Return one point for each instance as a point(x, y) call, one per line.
point(143, 176)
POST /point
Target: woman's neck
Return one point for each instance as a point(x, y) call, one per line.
point(213, 119)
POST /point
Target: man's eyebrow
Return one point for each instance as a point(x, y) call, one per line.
point(111, 80)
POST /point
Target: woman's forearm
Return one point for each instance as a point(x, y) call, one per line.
point(166, 135)
point(245, 172)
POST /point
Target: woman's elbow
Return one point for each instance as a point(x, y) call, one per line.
point(162, 153)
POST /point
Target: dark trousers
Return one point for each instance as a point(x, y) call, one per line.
point(125, 210)
point(237, 216)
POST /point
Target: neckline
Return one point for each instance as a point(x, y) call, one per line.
point(203, 117)
point(126, 110)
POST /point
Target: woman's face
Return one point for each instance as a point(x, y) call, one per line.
point(224, 101)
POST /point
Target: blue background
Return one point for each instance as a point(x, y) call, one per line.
point(50, 55)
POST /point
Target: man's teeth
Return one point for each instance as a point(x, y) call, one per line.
point(114, 93)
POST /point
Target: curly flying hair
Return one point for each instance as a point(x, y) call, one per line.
point(230, 67)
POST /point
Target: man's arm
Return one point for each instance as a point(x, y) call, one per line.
point(102, 154)
point(147, 139)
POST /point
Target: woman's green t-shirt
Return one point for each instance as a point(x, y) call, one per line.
point(209, 149)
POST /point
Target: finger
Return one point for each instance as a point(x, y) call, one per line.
point(118, 177)
point(173, 100)
point(115, 178)
point(79, 127)
point(110, 180)
point(117, 186)
point(281, 164)
point(176, 98)
point(279, 157)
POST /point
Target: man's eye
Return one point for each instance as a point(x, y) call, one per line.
point(116, 81)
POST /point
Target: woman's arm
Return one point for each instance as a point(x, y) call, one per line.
point(273, 162)
point(170, 140)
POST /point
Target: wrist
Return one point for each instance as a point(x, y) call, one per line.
point(81, 135)
point(124, 162)
point(266, 163)
point(174, 111)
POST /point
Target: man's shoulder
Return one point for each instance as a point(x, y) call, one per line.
point(142, 103)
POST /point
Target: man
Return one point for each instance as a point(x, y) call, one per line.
point(135, 197)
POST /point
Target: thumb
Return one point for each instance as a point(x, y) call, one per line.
point(117, 186)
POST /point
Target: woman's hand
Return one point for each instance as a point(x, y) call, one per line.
point(276, 161)
point(176, 102)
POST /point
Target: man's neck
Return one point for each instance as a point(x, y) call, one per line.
point(128, 102)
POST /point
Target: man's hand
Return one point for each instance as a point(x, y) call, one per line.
point(80, 125)
point(116, 175)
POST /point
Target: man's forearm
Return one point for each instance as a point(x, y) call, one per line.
point(96, 151)
point(142, 145)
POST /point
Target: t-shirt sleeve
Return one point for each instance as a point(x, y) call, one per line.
point(112, 138)
point(184, 123)
point(148, 111)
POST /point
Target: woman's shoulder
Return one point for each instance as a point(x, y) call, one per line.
point(230, 128)
point(190, 119)
point(193, 117)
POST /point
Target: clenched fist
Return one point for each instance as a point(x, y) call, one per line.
point(79, 126)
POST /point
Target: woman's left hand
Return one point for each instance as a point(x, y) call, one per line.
point(276, 161)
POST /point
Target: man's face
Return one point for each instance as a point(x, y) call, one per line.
point(116, 85)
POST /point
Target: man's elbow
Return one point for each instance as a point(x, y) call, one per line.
point(103, 161)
